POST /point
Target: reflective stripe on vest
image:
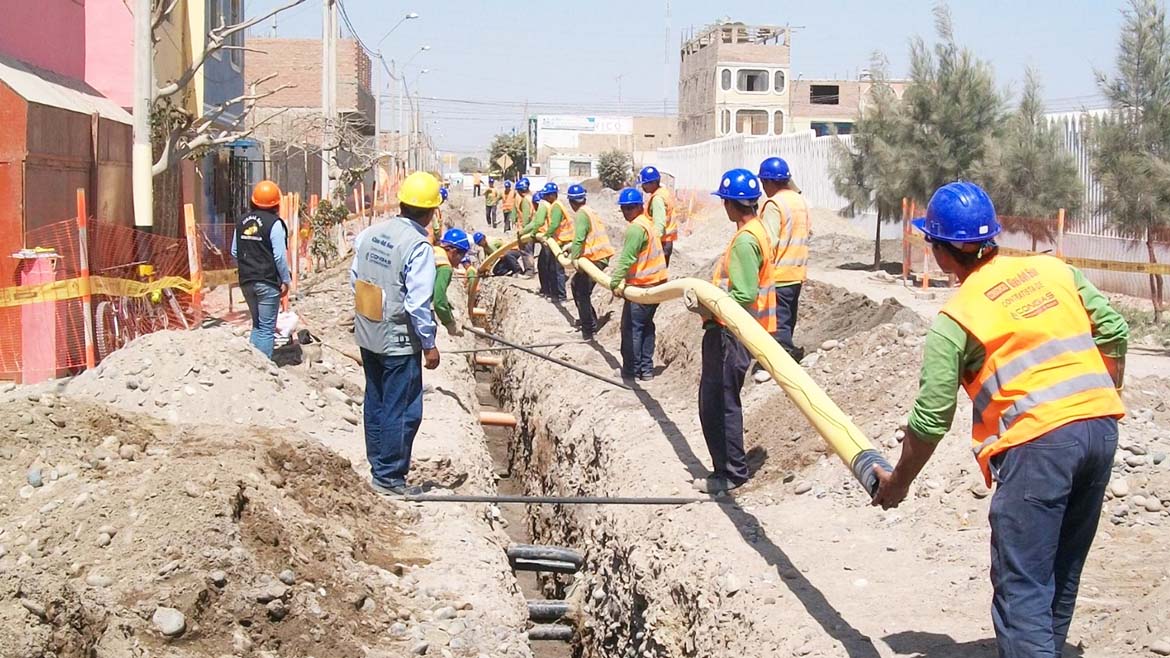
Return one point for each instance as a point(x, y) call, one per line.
point(596, 246)
point(650, 267)
point(670, 229)
point(1042, 369)
point(543, 228)
point(565, 230)
point(763, 308)
point(791, 247)
point(441, 257)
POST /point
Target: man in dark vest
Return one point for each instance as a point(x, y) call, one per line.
point(393, 277)
point(259, 246)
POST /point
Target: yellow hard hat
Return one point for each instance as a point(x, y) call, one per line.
point(420, 190)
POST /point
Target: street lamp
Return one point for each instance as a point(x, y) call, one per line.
point(380, 85)
point(409, 17)
point(416, 54)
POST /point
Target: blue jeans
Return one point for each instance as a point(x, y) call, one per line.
point(1043, 518)
point(787, 305)
point(263, 301)
point(393, 413)
point(638, 333)
point(725, 364)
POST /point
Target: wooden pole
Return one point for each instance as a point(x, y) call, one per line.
point(906, 208)
point(1060, 233)
point(86, 294)
point(194, 263)
point(294, 260)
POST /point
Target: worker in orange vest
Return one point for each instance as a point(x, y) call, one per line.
point(745, 273)
point(641, 263)
point(508, 205)
point(1041, 354)
point(785, 216)
point(586, 234)
point(660, 208)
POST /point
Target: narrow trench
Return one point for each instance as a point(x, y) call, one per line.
point(499, 442)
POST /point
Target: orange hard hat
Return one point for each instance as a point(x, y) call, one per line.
point(266, 194)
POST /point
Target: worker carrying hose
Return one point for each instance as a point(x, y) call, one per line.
point(508, 264)
point(508, 205)
point(589, 241)
point(393, 277)
point(785, 216)
point(524, 212)
point(435, 228)
point(641, 263)
point(1041, 354)
point(745, 273)
point(660, 208)
point(549, 271)
point(451, 249)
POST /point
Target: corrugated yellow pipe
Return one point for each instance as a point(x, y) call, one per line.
point(830, 422)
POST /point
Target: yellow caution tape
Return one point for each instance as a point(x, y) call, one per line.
point(220, 278)
point(66, 289)
point(1082, 263)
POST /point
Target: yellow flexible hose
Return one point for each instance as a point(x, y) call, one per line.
point(834, 426)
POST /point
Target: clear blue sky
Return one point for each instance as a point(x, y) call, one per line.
point(566, 56)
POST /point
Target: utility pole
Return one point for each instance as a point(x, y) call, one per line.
point(619, 86)
point(328, 93)
point(666, 61)
point(142, 156)
point(527, 141)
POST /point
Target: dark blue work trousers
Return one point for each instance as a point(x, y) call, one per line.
point(638, 334)
point(551, 274)
point(725, 364)
point(393, 413)
point(787, 305)
point(1043, 518)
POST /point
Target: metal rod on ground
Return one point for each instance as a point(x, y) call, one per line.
point(564, 500)
point(570, 366)
point(506, 348)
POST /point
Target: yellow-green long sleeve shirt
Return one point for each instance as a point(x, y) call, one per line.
point(443, 305)
point(537, 218)
point(744, 271)
point(950, 351)
point(581, 228)
point(633, 245)
point(556, 216)
point(658, 214)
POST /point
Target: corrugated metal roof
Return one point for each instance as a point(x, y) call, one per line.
point(47, 88)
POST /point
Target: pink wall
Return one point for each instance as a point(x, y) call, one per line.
point(109, 49)
point(49, 34)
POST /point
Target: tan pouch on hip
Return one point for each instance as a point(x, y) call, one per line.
point(367, 300)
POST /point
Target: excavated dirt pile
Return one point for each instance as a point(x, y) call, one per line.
point(797, 562)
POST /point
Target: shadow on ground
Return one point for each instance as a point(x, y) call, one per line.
point(919, 644)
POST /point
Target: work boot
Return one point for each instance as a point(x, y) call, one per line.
point(717, 485)
point(396, 490)
point(646, 378)
point(760, 376)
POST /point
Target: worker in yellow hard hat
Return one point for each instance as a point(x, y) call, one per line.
point(393, 276)
point(260, 247)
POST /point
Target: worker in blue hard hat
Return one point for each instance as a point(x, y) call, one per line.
point(550, 215)
point(641, 263)
point(745, 273)
point(508, 264)
point(508, 205)
point(525, 208)
point(449, 252)
point(587, 239)
point(660, 207)
point(1041, 354)
point(785, 216)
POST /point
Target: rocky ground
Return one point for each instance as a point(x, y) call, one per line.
point(190, 498)
point(799, 563)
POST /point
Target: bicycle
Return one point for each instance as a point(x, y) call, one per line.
point(120, 320)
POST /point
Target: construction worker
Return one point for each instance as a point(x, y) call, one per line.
point(393, 276)
point(450, 251)
point(589, 241)
point(785, 216)
point(550, 217)
point(660, 208)
point(508, 264)
point(476, 182)
point(491, 199)
point(643, 264)
point(745, 272)
point(525, 208)
point(508, 205)
point(260, 247)
point(435, 228)
point(1041, 354)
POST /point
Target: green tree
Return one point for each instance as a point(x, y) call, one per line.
point(615, 169)
point(952, 108)
point(1131, 153)
point(870, 172)
point(512, 146)
point(1027, 172)
point(470, 165)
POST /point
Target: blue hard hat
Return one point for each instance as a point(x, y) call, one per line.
point(551, 188)
point(507, 183)
point(630, 197)
point(739, 185)
point(456, 237)
point(538, 195)
point(478, 237)
point(576, 192)
point(522, 185)
point(959, 212)
point(443, 193)
point(775, 169)
point(648, 175)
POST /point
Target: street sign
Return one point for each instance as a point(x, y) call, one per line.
point(504, 161)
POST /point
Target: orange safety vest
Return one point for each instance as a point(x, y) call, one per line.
point(1042, 369)
point(670, 230)
point(791, 248)
point(565, 228)
point(763, 309)
point(650, 267)
point(508, 200)
point(596, 246)
point(543, 228)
